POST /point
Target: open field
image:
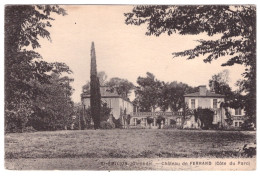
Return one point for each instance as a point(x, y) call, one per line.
point(27, 148)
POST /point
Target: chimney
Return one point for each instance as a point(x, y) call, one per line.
point(202, 90)
point(213, 87)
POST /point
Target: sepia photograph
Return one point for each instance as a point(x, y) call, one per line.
point(130, 87)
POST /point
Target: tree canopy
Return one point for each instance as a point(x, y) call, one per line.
point(52, 107)
point(219, 84)
point(235, 24)
point(24, 25)
point(147, 93)
point(152, 93)
point(122, 86)
point(172, 95)
point(102, 76)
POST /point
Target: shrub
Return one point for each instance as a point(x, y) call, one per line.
point(249, 150)
point(105, 112)
point(128, 118)
point(229, 120)
point(247, 125)
point(149, 120)
point(104, 115)
point(159, 121)
point(106, 125)
point(172, 122)
point(117, 122)
point(29, 129)
point(205, 116)
point(169, 127)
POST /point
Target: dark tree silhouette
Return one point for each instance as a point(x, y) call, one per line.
point(95, 97)
point(24, 24)
point(147, 92)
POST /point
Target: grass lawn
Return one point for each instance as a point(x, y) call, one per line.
point(124, 144)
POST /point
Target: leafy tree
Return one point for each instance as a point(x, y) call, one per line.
point(236, 24)
point(172, 95)
point(24, 24)
point(78, 122)
point(187, 113)
point(53, 107)
point(233, 99)
point(122, 86)
point(148, 92)
point(95, 96)
point(218, 83)
point(86, 88)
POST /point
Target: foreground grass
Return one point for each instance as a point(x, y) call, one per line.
point(132, 143)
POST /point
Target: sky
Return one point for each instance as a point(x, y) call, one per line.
point(124, 51)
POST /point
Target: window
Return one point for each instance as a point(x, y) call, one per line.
point(239, 124)
point(192, 103)
point(215, 103)
point(235, 124)
point(238, 111)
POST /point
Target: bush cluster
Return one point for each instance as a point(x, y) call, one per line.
point(107, 125)
point(205, 116)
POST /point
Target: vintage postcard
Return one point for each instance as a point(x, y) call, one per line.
point(130, 87)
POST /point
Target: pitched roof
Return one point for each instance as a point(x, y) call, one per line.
point(106, 92)
point(208, 94)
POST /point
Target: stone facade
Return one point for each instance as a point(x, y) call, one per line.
point(211, 100)
point(205, 99)
point(238, 117)
point(114, 101)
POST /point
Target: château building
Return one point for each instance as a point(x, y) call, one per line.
point(117, 103)
point(208, 99)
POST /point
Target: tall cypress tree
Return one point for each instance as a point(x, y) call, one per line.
point(95, 97)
